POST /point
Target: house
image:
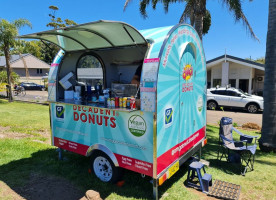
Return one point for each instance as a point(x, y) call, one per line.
point(36, 67)
point(239, 73)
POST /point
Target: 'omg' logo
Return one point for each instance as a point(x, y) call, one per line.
point(187, 72)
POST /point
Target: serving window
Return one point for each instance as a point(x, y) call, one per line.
point(90, 70)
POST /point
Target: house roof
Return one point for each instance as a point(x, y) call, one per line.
point(234, 59)
point(31, 61)
point(13, 58)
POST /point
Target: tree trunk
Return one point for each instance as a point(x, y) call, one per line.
point(199, 25)
point(199, 12)
point(267, 141)
point(25, 66)
point(7, 56)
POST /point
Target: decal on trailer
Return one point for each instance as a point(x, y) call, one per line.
point(127, 134)
point(168, 117)
point(181, 85)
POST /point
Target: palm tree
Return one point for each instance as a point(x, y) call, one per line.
point(267, 141)
point(8, 32)
point(196, 12)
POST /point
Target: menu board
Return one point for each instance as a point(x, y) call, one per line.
point(150, 69)
point(148, 84)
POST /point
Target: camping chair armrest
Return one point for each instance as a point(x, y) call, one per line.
point(243, 137)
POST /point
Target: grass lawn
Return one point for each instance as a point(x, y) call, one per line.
point(27, 161)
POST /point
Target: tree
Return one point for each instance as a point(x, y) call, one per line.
point(195, 11)
point(267, 141)
point(8, 32)
point(32, 47)
point(4, 78)
point(58, 22)
point(260, 60)
point(50, 50)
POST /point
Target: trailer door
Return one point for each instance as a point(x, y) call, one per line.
point(187, 97)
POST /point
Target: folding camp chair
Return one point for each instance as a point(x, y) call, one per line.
point(228, 145)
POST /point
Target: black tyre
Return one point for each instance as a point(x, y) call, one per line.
point(252, 108)
point(103, 167)
point(15, 93)
point(23, 92)
point(212, 105)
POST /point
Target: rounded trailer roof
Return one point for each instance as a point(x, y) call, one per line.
point(93, 35)
point(156, 37)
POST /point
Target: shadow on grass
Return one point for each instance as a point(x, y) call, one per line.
point(43, 176)
point(3, 101)
point(265, 162)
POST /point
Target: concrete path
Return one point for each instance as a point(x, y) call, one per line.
point(32, 95)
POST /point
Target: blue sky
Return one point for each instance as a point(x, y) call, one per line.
point(224, 34)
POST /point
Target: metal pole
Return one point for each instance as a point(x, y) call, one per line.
point(60, 156)
point(199, 153)
point(155, 189)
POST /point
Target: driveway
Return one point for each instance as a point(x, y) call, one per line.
point(239, 117)
point(31, 95)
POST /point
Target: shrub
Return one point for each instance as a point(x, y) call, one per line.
point(251, 126)
point(4, 77)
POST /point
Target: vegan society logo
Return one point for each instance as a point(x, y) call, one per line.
point(60, 112)
point(187, 72)
point(137, 125)
point(168, 117)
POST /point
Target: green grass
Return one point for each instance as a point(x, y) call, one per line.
point(24, 118)
point(20, 158)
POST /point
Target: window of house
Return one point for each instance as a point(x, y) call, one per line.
point(39, 71)
point(90, 70)
point(216, 82)
point(232, 82)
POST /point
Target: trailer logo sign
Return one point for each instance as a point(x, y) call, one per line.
point(137, 125)
point(60, 112)
point(168, 117)
point(187, 76)
point(187, 72)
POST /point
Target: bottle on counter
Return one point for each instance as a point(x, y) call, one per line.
point(124, 102)
point(120, 102)
point(117, 104)
point(132, 103)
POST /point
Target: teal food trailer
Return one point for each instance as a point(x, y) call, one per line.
point(168, 124)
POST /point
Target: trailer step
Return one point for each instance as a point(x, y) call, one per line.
point(224, 190)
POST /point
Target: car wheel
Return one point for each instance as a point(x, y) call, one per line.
point(212, 105)
point(104, 168)
point(252, 108)
point(42, 89)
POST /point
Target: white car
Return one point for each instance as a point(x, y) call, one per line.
point(231, 97)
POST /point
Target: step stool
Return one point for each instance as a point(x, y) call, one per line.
point(204, 182)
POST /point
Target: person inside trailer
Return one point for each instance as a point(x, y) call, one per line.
point(137, 76)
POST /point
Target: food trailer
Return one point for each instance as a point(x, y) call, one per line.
point(151, 129)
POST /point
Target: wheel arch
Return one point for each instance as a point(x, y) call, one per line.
point(253, 102)
point(213, 101)
point(107, 151)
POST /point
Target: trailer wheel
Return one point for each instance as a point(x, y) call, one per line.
point(104, 168)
